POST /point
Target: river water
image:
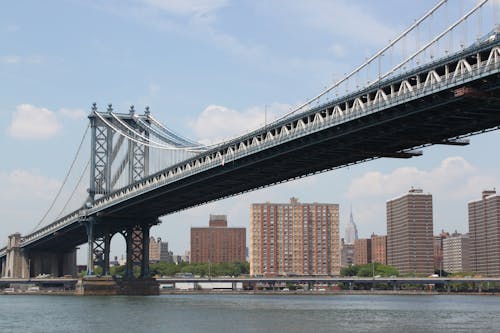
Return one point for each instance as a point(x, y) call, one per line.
point(249, 313)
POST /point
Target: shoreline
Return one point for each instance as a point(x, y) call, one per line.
point(274, 293)
point(324, 293)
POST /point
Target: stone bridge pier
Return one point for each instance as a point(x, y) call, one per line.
point(16, 262)
point(24, 263)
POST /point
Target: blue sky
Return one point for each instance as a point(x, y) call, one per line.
point(208, 69)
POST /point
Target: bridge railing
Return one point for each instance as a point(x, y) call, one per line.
point(394, 92)
point(57, 225)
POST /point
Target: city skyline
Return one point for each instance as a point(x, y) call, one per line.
point(368, 232)
point(52, 75)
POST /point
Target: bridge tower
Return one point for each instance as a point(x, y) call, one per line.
point(106, 147)
point(115, 162)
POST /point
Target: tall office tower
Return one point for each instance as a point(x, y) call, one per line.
point(410, 233)
point(484, 234)
point(362, 251)
point(347, 254)
point(217, 243)
point(158, 250)
point(456, 253)
point(379, 249)
point(294, 238)
point(351, 231)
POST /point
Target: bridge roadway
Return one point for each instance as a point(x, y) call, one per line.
point(438, 103)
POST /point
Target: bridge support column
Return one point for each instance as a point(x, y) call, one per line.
point(68, 266)
point(145, 251)
point(129, 265)
point(107, 244)
point(137, 239)
point(101, 252)
point(89, 226)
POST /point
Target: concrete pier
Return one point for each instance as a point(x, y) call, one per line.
point(96, 286)
point(141, 286)
point(107, 285)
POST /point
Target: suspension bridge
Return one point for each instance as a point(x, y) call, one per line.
point(425, 87)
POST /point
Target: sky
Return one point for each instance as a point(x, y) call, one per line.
point(209, 69)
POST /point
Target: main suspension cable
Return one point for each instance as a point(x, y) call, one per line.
point(117, 130)
point(426, 46)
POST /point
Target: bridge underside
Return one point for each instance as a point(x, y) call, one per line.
point(430, 120)
point(389, 133)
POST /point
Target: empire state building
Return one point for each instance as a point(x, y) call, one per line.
point(351, 232)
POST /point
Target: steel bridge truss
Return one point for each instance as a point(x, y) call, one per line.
point(110, 159)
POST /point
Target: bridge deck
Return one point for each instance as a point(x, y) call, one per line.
point(456, 106)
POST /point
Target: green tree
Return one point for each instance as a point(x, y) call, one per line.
point(368, 270)
point(351, 270)
point(199, 269)
point(117, 270)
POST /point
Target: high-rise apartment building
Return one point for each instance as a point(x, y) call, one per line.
point(438, 249)
point(294, 238)
point(410, 233)
point(158, 250)
point(362, 251)
point(379, 249)
point(484, 234)
point(217, 243)
point(456, 253)
point(351, 231)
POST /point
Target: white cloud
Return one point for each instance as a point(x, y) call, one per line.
point(201, 15)
point(154, 89)
point(24, 196)
point(451, 173)
point(452, 183)
point(72, 113)
point(217, 123)
point(31, 122)
point(10, 60)
point(20, 183)
point(198, 8)
point(12, 28)
point(192, 18)
point(340, 18)
point(338, 50)
point(15, 59)
point(234, 45)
